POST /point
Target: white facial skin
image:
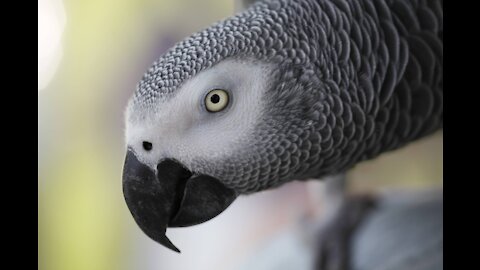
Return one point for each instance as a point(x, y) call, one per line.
point(183, 129)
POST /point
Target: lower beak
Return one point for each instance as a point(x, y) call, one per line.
point(172, 197)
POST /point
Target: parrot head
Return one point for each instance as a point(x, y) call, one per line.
point(230, 129)
point(231, 110)
point(242, 106)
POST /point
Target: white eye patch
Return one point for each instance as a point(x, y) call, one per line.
point(195, 124)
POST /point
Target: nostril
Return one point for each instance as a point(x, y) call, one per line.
point(147, 145)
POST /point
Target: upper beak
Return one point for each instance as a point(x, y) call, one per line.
point(172, 197)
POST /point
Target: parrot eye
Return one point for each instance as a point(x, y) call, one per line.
point(216, 100)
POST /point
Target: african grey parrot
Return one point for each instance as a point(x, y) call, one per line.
point(284, 90)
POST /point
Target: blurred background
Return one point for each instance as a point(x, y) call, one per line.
point(91, 55)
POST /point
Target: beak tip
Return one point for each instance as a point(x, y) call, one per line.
point(164, 241)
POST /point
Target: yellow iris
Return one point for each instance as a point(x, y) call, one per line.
point(216, 100)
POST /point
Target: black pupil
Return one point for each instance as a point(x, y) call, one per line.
point(147, 146)
point(215, 98)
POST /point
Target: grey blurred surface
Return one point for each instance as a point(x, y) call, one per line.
point(286, 251)
point(404, 232)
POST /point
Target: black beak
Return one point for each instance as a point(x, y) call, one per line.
point(174, 197)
